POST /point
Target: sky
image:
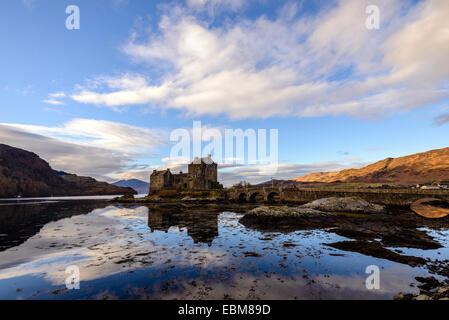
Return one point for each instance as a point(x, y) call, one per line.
point(102, 100)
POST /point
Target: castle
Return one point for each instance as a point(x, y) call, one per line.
point(202, 175)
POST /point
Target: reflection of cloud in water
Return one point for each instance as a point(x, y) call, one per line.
point(163, 255)
point(275, 287)
point(392, 279)
point(102, 243)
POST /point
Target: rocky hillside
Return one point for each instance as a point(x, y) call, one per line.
point(24, 173)
point(427, 167)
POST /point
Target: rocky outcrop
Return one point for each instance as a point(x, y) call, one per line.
point(347, 204)
point(287, 218)
point(317, 214)
point(375, 249)
point(398, 229)
point(430, 289)
point(320, 207)
point(285, 211)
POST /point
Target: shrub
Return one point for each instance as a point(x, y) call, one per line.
point(168, 194)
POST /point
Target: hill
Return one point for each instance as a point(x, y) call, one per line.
point(26, 174)
point(140, 186)
point(426, 167)
point(276, 183)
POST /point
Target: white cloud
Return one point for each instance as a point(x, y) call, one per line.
point(141, 174)
point(285, 171)
point(86, 147)
point(135, 95)
point(53, 102)
point(53, 99)
point(327, 64)
point(215, 5)
point(100, 133)
point(108, 151)
point(57, 95)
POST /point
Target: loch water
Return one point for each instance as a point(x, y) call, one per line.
point(141, 252)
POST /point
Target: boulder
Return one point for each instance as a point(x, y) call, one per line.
point(347, 204)
point(423, 297)
point(438, 293)
point(442, 290)
point(189, 199)
point(285, 211)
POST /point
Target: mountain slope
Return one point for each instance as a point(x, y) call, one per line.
point(140, 186)
point(425, 167)
point(24, 173)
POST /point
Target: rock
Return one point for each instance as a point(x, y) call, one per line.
point(441, 293)
point(215, 199)
point(188, 199)
point(428, 283)
point(286, 218)
point(285, 211)
point(347, 204)
point(375, 249)
point(399, 296)
point(442, 290)
point(125, 198)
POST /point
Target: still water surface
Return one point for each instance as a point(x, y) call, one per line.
point(143, 253)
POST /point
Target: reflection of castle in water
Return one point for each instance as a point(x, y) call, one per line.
point(201, 227)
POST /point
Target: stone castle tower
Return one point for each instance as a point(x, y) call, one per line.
point(202, 175)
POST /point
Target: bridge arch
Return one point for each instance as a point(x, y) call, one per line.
point(241, 197)
point(256, 197)
point(273, 197)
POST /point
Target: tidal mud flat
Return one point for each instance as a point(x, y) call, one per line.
point(217, 251)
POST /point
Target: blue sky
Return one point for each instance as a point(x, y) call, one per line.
point(102, 100)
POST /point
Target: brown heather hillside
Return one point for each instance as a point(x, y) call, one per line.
point(426, 167)
point(24, 173)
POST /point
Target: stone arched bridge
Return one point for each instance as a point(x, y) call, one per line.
point(399, 197)
point(256, 194)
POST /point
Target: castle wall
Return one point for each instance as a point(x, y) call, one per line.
point(203, 176)
point(196, 175)
point(211, 175)
point(160, 180)
point(180, 181)
point(200, 176)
